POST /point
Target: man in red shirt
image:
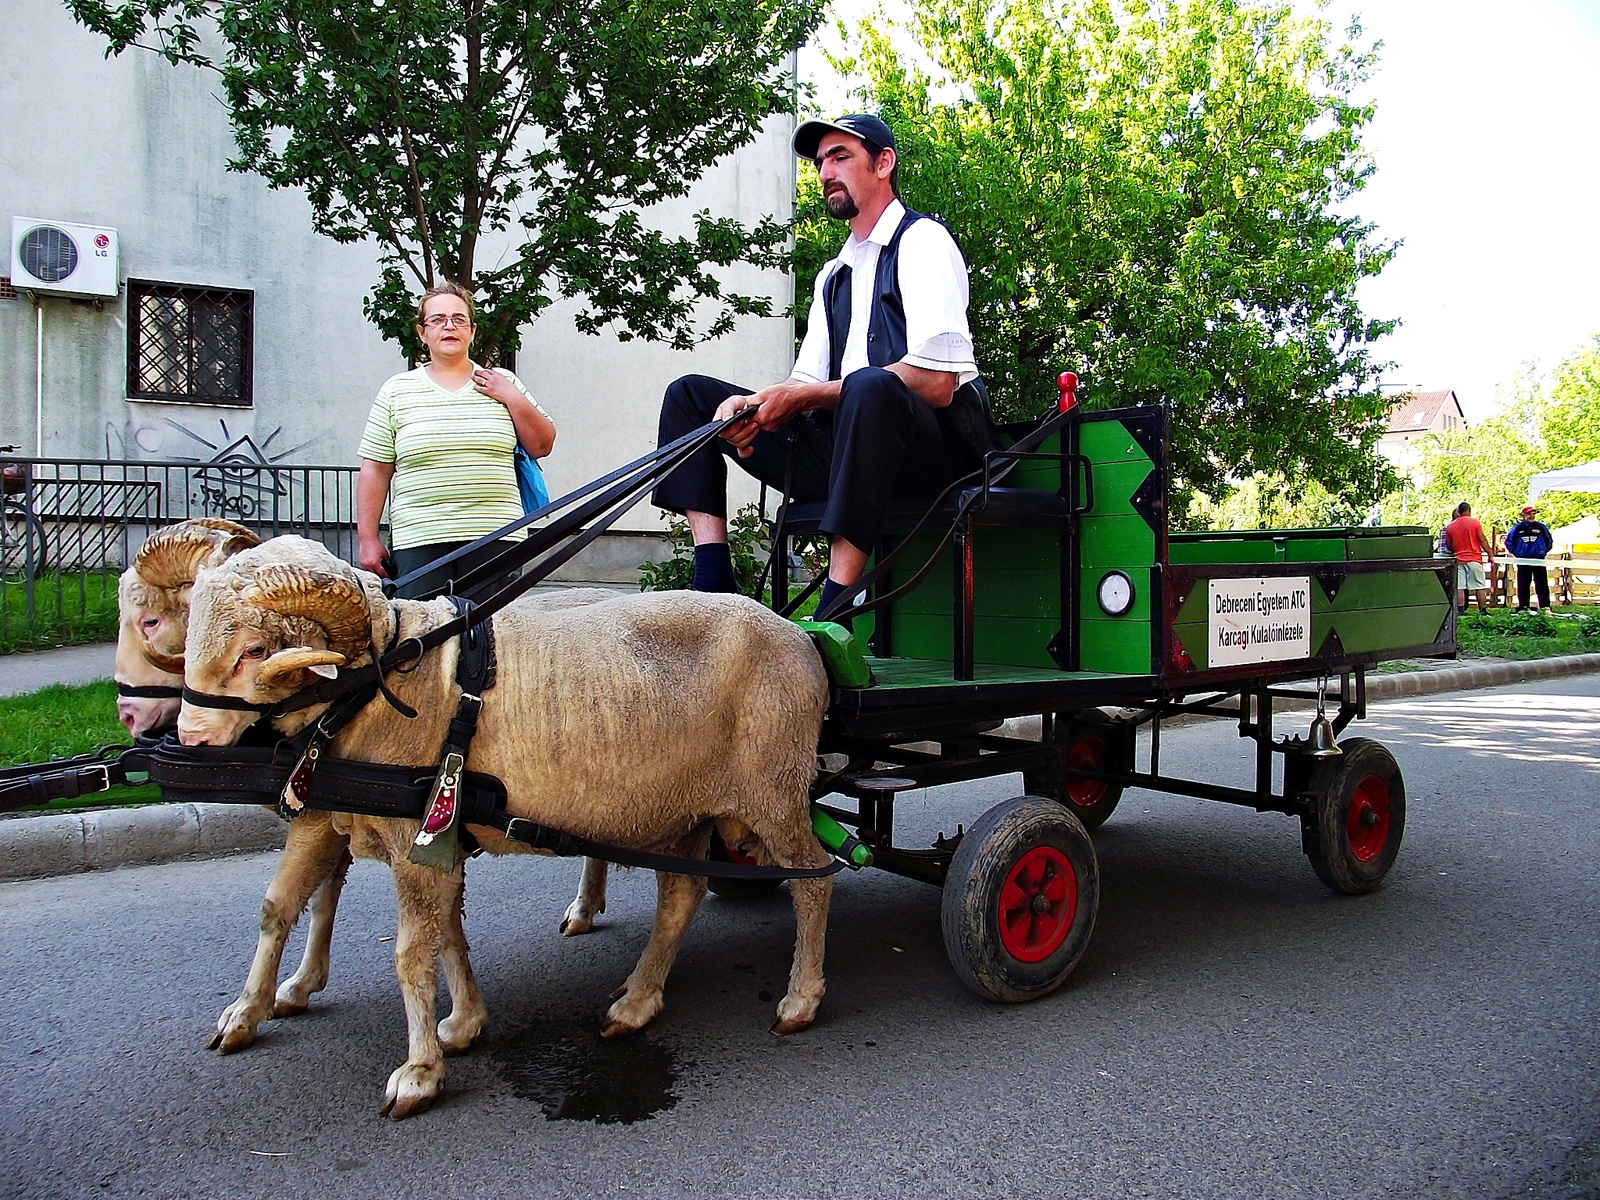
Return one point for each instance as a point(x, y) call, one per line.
point(1464, 537)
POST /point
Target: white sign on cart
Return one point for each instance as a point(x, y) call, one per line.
point(1258, 620)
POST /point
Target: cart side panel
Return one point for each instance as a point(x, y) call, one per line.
point(1017, 598)
point(1359, 612)
point(1115, 535)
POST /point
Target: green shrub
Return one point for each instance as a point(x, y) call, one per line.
point(747, 542)
point(1529, 624)
point(1589, 627)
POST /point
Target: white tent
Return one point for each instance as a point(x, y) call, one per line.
point(1584, 478)
point(1583, 532)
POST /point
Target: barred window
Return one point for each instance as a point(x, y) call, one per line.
point(190, 345)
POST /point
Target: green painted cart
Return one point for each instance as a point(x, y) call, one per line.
point(1062, 595)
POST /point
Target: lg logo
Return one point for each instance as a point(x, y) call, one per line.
point(101, 245)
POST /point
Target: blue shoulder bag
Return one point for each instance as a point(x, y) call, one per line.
point(530, 481)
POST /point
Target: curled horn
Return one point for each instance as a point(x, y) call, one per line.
point(172, 556)
point(337, 604)
point(234, 530)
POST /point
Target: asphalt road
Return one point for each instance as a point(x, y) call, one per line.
point(1234, 1029)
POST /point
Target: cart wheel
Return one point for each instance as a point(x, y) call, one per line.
point(1360, 817)
point(1020, 900)
point(737, 889)
point(1098, 743)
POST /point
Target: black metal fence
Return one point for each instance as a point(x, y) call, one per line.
point(68, 527)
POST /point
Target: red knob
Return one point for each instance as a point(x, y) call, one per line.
point(1068, 383)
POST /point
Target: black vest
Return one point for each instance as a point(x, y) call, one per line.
point(968, 416)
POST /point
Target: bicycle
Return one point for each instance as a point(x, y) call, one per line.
point(24, 550)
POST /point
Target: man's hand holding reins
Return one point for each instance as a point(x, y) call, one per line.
point(777, 405)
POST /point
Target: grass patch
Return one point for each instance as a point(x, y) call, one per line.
point(60, 721)
point(1505, 633)
point(69, 609)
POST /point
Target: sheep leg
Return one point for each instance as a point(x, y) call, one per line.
point(426, 898)
point(811, 897)
point(468, 1015)
point(312, 976)
point(310, 856)
point(678, 898)
point(590, 901)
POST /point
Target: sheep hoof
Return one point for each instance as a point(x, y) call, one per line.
point(294, 997)
point(631, 1014)
point(573, 926)
point(236, 1029)
point(794, 1014)
point(458, 1031)
point(412, 1089)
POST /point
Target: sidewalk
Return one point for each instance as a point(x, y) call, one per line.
point(63, 843)
point(23, 673)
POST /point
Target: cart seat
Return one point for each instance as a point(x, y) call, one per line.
point(1020, 508)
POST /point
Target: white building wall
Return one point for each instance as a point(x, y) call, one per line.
point(139, 145)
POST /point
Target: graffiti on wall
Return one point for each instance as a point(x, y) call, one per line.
point(232, 475)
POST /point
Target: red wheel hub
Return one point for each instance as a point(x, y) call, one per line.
point(1368, 823)
point(1087, 754)
point(1037, 904)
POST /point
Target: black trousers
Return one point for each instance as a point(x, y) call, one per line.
point(881, 442)
point(1541, 580)
point(435, 583)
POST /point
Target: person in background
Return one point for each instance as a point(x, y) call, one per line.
point(1464, 536)
point(1441, 546)
point(1530, 540)
point(438, 445)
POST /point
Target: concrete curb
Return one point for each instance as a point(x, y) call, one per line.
point(65, 843)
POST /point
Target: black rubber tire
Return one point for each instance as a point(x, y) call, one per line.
point(737, 889)
point(1367, 778)
point(24, 546)
point(1097, 735)
point(970, 910)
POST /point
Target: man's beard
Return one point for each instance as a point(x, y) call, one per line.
point(841, 204)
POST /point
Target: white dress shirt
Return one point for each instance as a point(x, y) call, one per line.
point(933, 289)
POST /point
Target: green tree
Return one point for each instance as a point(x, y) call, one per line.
point(1541, 424)
point(427, 124)
point(1569, 421)
point(1153, 196)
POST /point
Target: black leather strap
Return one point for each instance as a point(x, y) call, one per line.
point(150, 691)
point(570, 845)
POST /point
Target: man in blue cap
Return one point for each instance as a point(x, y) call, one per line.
point(1528, 541)
point(884, 390)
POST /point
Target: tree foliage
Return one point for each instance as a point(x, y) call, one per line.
point(1150, 194)
point(1541, 426)
point(428, 124)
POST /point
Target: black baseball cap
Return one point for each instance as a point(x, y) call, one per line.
point(862, 125)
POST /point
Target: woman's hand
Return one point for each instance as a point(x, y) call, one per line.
point(493, 384)
point(370, 556)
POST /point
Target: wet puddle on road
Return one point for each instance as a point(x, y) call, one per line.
point(574, 1074)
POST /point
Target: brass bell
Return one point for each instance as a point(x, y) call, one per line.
point(1321, 739)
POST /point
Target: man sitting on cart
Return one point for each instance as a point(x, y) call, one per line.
point(884, 400)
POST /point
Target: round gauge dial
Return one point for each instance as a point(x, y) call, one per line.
point(1115, 593)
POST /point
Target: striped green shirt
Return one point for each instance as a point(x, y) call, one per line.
point(453, 476)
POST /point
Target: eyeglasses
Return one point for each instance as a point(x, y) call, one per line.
point(453, 321)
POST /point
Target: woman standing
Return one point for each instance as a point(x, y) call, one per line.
point(438, 445)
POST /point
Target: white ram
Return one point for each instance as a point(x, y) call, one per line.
point(646, 721)
point(153, 604)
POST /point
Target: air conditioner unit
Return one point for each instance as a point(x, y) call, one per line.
point(59, 258)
